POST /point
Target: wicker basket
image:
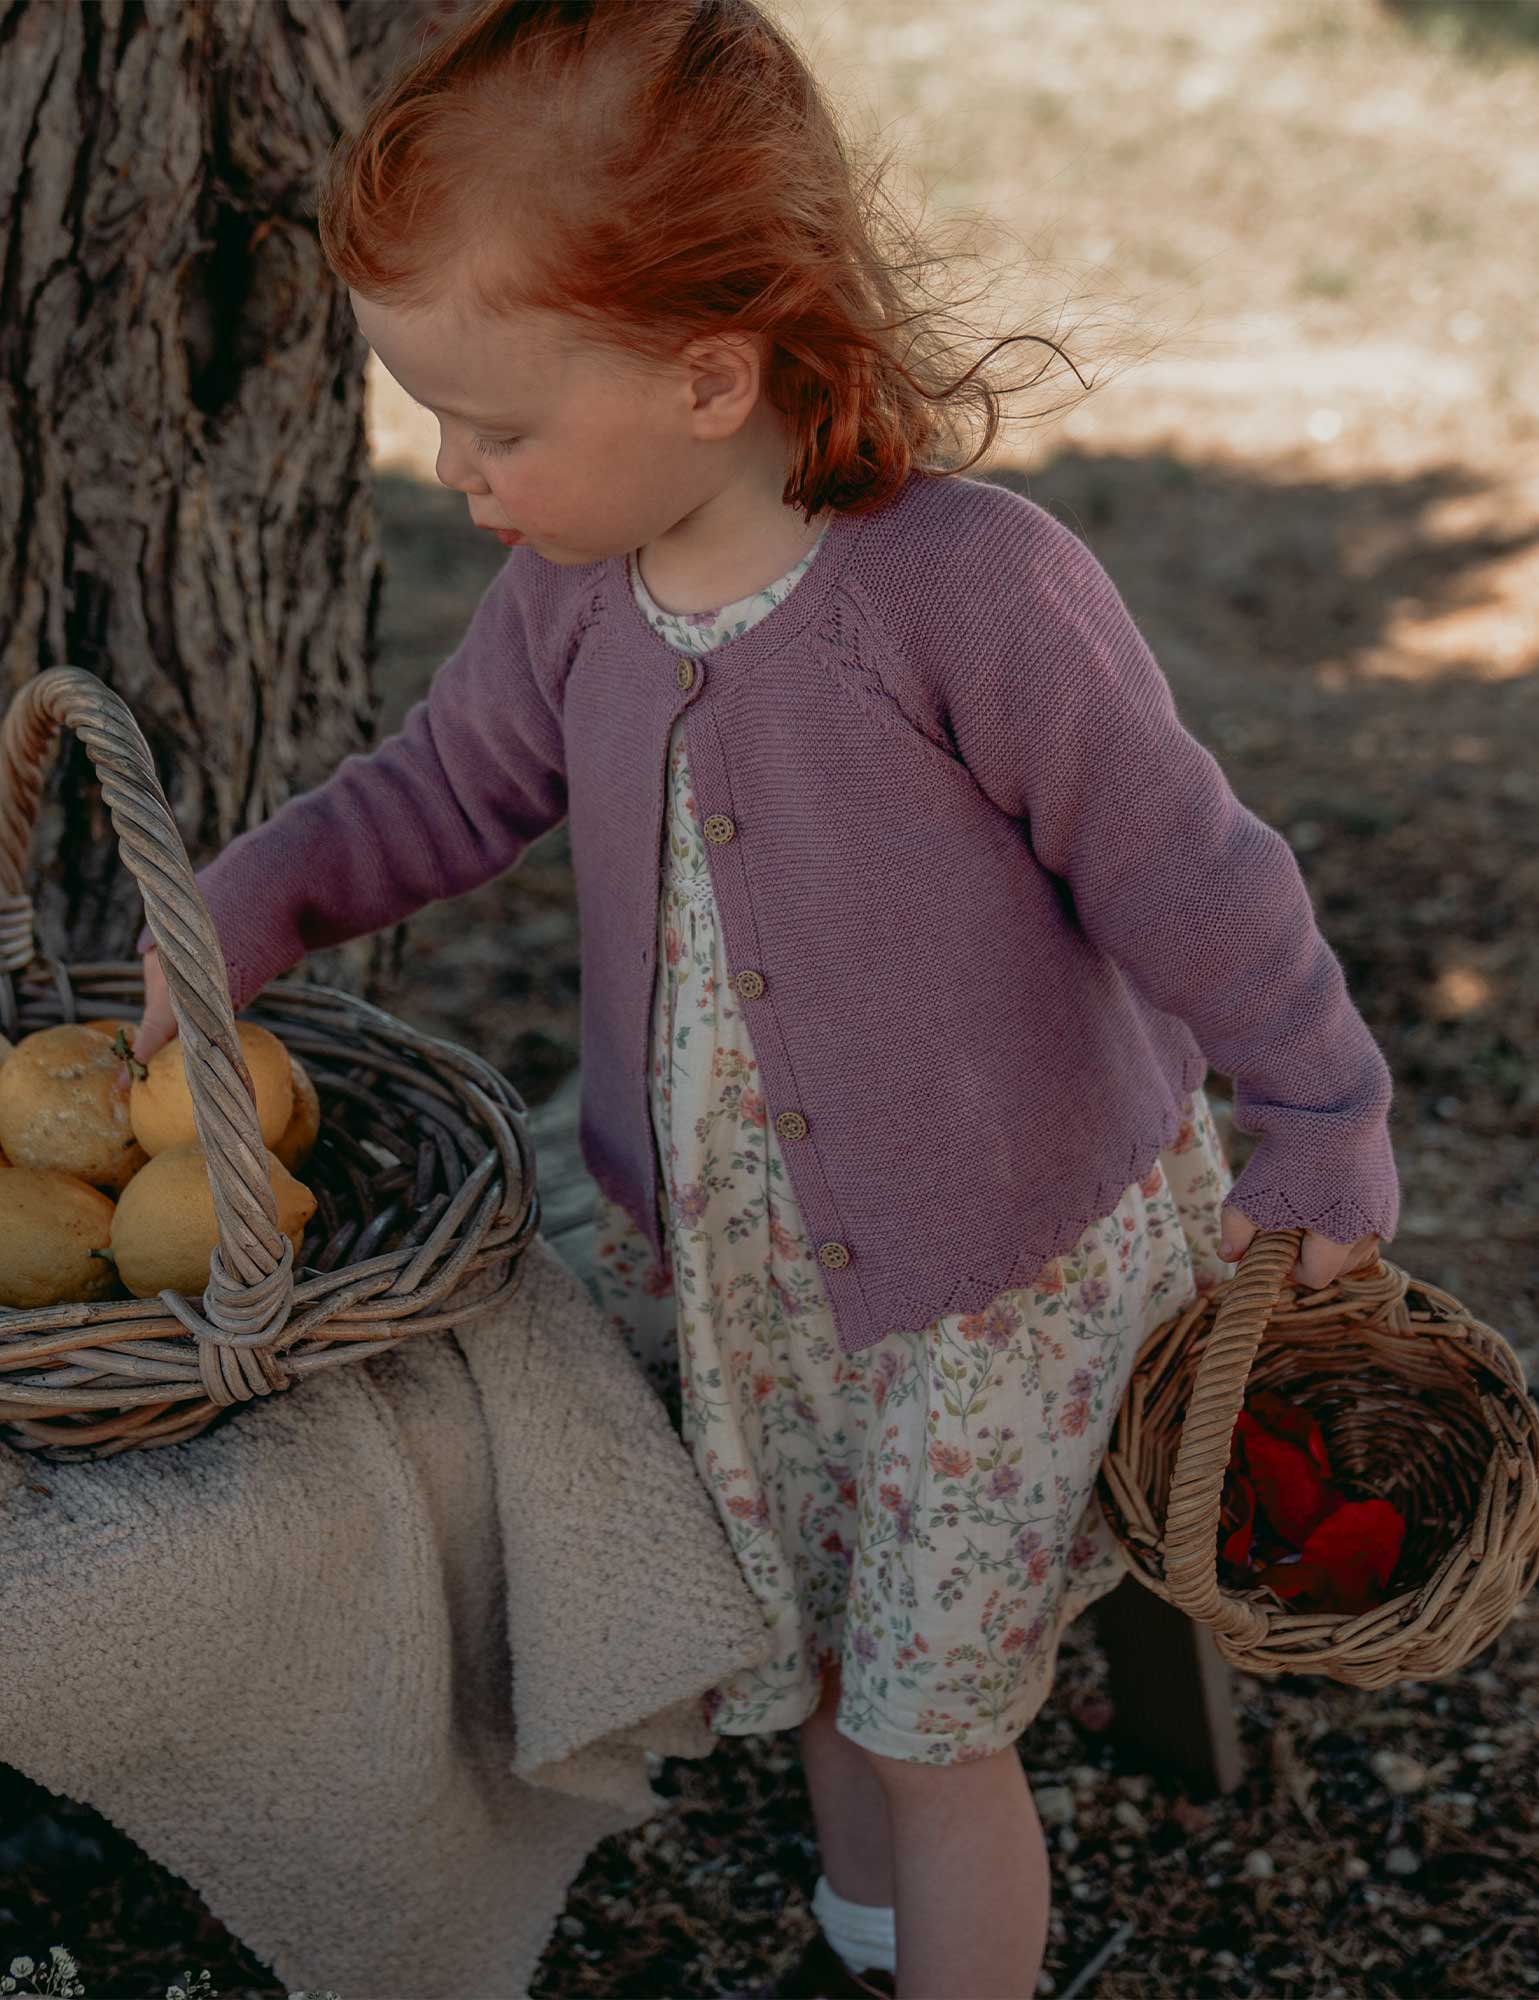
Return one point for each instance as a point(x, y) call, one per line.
point(423, 1171)
point(1419, 1403)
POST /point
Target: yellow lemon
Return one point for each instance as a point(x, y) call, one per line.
point(302, 1130)
point(164, 1231)
point(50, 1227)
point(160, 1103)
point(64, 1105)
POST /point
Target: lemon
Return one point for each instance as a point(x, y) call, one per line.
point(64, 1106)
point(300, 1134)
point(160, 1103)
point(50, 1224)
point(164, 1230)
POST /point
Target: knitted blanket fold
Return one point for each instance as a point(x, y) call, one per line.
point(376, 1665)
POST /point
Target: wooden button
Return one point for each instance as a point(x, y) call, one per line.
point(719, 829)
point(791, 1125)
point(750, 985)
point(684, 674)
point(833, 1256)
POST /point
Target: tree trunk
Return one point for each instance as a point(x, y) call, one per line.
point(185, 507)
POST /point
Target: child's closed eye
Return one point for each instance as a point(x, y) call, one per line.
point(490, 447)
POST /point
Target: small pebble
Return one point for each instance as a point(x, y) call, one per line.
point(1084, 1777)
point(1481, 1753)
point(1225, 1958)
point(1429, 1934)
point(1055, 1805)
point(1127, 1814)
point(1401, 1861)
point(1354, 1868)
point(571, 1927)
point(1259, 1864)
point(1398, 1772)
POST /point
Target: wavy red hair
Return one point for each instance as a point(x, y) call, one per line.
point(688, 178)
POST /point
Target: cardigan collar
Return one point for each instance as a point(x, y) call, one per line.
point(801, 609)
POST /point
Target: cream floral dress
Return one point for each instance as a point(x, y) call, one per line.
point(921, 1515)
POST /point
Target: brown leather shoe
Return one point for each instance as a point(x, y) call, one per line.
point(821, 1974)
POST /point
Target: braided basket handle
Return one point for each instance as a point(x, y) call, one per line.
point(251, 1281)
point(1207, 1430)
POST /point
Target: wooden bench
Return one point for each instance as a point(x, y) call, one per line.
point(1168, 1684)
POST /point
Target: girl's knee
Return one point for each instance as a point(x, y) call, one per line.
point(902, 1777)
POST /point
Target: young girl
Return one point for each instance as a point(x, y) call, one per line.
point(911, 914)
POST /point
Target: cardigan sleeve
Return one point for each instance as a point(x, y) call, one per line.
point(473, 776)
point(1067, 723)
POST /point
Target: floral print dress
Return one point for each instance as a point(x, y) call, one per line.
point(921, 1515)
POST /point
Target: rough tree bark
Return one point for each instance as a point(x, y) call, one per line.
point(184, 501)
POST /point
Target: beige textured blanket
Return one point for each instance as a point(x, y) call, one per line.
point(375, 1665)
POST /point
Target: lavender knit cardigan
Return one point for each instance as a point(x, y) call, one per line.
point(1001, 906)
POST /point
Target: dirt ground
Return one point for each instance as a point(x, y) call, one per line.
point(1319, 495)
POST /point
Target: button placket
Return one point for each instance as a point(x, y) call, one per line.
point(749, 984)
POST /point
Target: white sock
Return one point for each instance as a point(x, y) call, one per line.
point(864, 1935)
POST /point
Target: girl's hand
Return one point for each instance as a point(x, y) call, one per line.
point(1319, 1259)
point(159, 1024)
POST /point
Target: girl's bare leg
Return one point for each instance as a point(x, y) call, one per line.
point(971, 1876)
point(849, 1807)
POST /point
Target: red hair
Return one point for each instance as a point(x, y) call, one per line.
point(659, 171)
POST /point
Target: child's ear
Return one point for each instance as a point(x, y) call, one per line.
point(724, 375)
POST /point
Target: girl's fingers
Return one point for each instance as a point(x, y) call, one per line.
point(1320, 1259)
point(1235, 1232)
point(157, 1024)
